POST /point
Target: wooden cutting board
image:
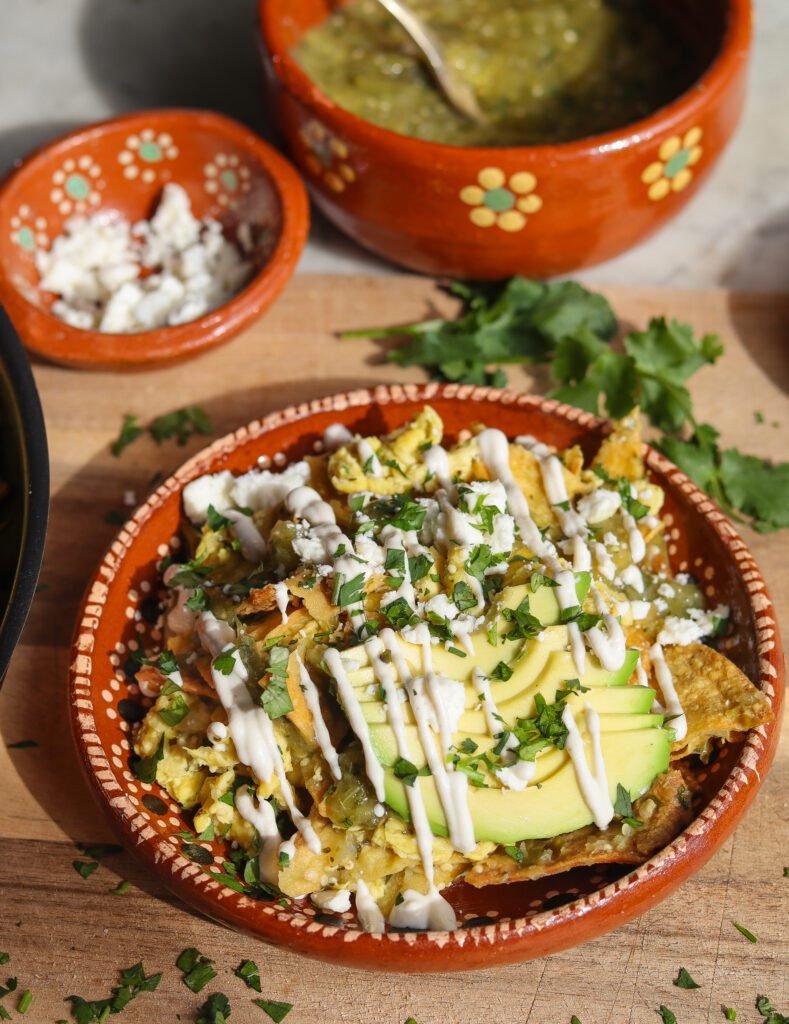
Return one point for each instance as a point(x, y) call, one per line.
point(69, 935)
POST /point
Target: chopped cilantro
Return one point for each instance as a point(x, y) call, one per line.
point(122, 887)
point(275, 699)
point(457, 652)
point(215, 1010)
point(493, 634)
point(398, 613)
point(249, 973)
point(667, 1015)
point(356, 503)
point(215, 520)
point(176, 711)
point(744, 931)
point(283, 860)
point(276, 1011)
point(85, 868)
point(198, 602)
point(24, 1001)
point(524, 624)
point(145, 767)
point(133, 981)
point(226, 661)
point(190, 574)
point(623, 806)
point(539, 579)
point(684, 980)
point(786, 872)
point(197, 969)
point(545, 729)
point(468, 746)
point(350, 592)
point(769, 1012)
point(410, 517)
point(574, 1020)
point(181, 424)
point(729, 1013)
point(463, 596)
point(5, 1015)
point(408, 772)
point(129, 432)
point(395, 561)
point(584, 620)
point(4, 958)
point(516, 852)
point(502, 671)
point(418, 567)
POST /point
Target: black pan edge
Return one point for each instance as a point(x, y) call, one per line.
point(26, 409)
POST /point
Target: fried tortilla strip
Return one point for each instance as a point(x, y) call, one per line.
point(662, 809)
point(622, 452)
point(262, 599)
point(718, 699)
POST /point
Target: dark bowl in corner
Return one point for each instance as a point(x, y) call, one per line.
point(24, 488)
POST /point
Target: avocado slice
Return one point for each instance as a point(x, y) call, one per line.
point(634, 743)
point(553, 805)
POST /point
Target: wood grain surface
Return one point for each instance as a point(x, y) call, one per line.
point(69, 935)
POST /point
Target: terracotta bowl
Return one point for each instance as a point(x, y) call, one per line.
point(490, 213)
point(122, 164)
point(501, 924)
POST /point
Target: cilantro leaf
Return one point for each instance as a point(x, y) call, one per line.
point(249, 973)
point(463, 596)
point(85, 868)
point(215, 1010)
point(225, 662)
point(667, 1015)
point(757, 488)
point(408, 772)
point(215, 520)
point(181, 424)
point(133, 981)
point(145, 767)
point(176, 711)
point(275, 699)
point(514, 322)
point(129, 432)
point(684, 980)
point(276, 1011)
point(766, 1009)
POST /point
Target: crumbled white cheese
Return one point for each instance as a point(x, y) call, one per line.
point(95, 266)
point(690, 630)
point(442, 606)
point(639, 609)
point(336, 901)
point(212, 489)
point(599, 505)
point(666, 590)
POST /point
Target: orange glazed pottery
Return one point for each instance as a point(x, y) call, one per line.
point(499, 924)
point(123, 164)
point(438, 209)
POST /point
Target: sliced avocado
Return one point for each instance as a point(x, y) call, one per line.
point(634, 759)
point(543, 604)
point(615, 708)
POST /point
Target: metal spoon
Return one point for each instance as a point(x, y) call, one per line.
point(457, 92)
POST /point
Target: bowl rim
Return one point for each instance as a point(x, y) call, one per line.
point(27, 412)
point(464, 949)
point(705, 89)
point(162, 344)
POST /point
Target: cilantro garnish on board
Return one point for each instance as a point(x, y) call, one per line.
point(178, 425)
point(133, 981)
point(572, 330)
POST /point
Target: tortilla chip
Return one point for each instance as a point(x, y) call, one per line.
point(718, 699)
point(662, 809)
point(622, 452)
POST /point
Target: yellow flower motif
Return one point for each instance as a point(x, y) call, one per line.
point(327, 156)
point(672, 172)
point(497, 200)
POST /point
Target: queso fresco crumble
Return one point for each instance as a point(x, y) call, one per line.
point(122, 278)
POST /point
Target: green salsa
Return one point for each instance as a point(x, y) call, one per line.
point(544, 71)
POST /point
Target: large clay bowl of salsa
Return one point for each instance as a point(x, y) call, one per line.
point(604, 119)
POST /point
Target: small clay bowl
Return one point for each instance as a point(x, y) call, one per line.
point(499, 924)
point(123, 164)
point(534, 210)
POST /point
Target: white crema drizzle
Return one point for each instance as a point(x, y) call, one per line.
point(593, 785)
point(674, 709)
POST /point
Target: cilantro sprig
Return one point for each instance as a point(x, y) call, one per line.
point(571, 329)
point(178, 425)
